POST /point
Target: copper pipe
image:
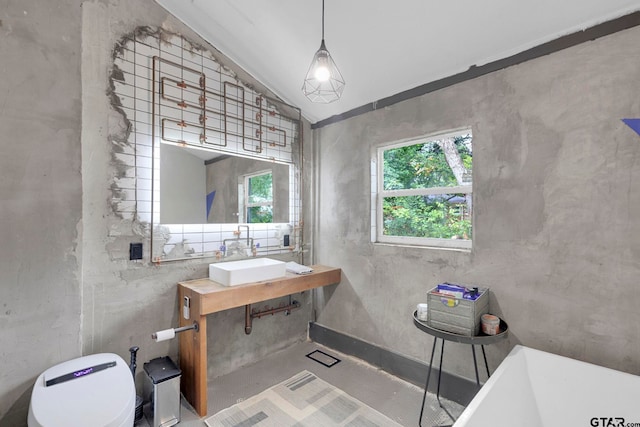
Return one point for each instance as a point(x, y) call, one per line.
point(249, 315)
point(259, 116)
point(181, 67)
point(287, 308)
point(242, 118)
point(184, 124)
point(153, 145)
point(247, 319)
point(301, 185)
point(225, 114)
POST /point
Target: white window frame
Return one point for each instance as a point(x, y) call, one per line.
point(245, 205)
point(381, 194)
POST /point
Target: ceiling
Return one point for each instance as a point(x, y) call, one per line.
point(381, 47)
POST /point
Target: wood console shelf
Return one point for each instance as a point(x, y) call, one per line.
point(208, 297)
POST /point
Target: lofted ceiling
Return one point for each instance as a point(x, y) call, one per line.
point(382, 47)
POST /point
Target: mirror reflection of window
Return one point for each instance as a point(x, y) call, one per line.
point(258, 197)
point(206, 186)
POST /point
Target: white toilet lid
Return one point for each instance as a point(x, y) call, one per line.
point(94, 395)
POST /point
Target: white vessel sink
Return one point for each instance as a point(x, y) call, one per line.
point(246, 271)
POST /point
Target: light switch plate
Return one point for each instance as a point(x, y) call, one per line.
point(135, 251)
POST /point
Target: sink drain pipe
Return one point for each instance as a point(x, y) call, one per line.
point(250, 315)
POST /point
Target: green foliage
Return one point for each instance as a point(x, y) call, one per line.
point(261, 188)
point(424, 216)
point(261, 199)
point(260, 214)
point(424, 165)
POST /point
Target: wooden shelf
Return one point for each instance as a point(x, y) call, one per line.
point(208, 297)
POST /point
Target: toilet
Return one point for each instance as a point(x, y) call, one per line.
point(96, 390)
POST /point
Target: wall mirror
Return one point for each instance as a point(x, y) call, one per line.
point(203, 196)
point(199, 186)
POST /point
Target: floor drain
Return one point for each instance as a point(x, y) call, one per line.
point(323, 358)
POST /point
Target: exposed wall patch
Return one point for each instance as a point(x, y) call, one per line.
point(143, 112)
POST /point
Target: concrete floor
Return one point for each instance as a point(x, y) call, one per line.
point(395, 398)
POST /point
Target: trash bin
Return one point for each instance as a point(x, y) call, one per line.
point(162, 388)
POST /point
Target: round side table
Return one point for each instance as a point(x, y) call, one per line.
point(480, 340)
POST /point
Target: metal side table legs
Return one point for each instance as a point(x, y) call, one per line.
point(426, 386)
point(480, 340)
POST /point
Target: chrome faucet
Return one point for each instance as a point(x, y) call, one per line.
point(235, 248)
point(240, 233)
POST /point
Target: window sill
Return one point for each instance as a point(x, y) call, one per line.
point(419, 247)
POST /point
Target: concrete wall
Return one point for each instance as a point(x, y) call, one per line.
point(556, 178)
point(40, 194)
point(67, 286)
point(183, 187)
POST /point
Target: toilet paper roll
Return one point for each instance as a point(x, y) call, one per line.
point(167, 334)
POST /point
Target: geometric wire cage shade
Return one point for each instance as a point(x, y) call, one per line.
point(323, 82)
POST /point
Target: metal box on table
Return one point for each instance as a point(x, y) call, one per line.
point(458, 315)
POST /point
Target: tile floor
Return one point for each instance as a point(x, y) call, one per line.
point(396, 398)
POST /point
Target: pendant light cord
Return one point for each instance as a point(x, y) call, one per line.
point(323, 82)
point(322, 19)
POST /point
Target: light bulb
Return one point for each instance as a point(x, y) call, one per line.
point(322, 73)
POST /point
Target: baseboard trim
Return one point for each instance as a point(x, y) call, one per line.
point(452, 387)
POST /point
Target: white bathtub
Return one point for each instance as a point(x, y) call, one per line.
point(532, 388)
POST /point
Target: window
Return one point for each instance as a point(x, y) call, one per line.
point(258, 197)
point(424, 191)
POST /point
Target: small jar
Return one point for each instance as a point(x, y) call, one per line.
point(422, 311)
point(490, 324)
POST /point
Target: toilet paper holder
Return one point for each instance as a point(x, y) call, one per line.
point(168, 334)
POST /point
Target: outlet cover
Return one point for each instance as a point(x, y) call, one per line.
point(135, 251)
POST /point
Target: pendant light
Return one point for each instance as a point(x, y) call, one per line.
point(323, 83)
